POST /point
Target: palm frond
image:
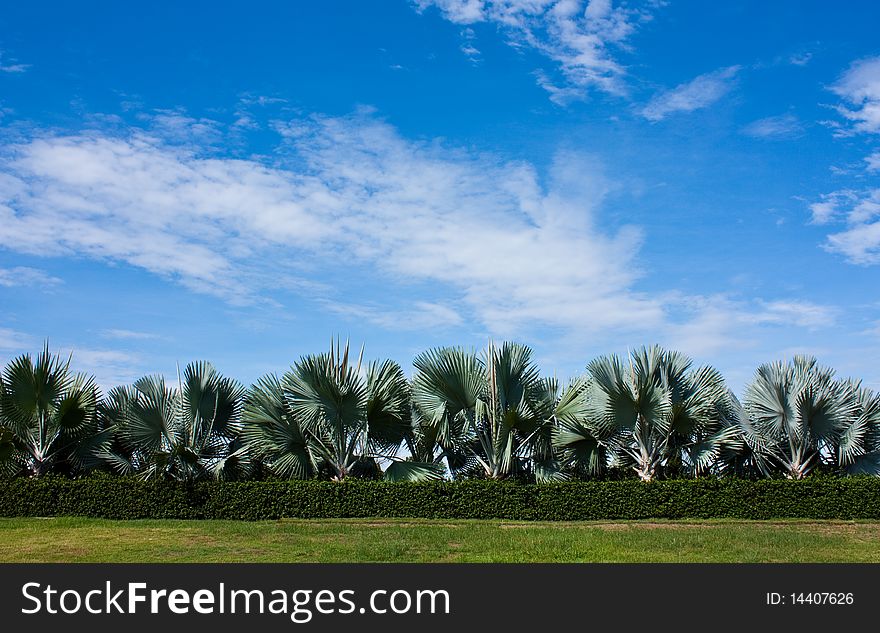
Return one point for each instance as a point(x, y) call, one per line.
point(413, 471)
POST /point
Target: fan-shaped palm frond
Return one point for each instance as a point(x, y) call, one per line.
point(388, 411)
point(47, 417)
point(579, 443)
point(657, 415)
point(448, 384)
point(328, 415)
point(799, 413)
point(185, 432)
point(491, 410)
point(803, 418)
point(859, 443)
point(272, 431)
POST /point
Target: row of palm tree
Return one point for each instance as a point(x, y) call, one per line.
point(487, 414)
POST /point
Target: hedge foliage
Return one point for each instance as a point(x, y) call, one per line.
point(127, 498)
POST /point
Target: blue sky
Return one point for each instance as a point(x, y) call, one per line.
point(241, 182)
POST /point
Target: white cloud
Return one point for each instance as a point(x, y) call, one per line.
point(245, 118)
point(774, 127)
point(823, 211)
point(795, 313)
point(860, 211)
point(128, 335)
point(719, 322)
point(25, 276)
point(139, 200)
point(509, 251)
point(458, 11)
point(860, 243)
point(800, 59)
point(176, 126)
point(859, 87)
point(516, 252)
point(424, 315)
point(696, 94)
point(709, 325)
point(109, 367)
point(14, 341)
point(561, 95)
point(831, 206)
point(582, 38)
point(866, 207)
point(472, 52)
point(467, 47)
point(11, 65)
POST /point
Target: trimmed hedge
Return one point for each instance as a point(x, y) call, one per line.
point(124, 498)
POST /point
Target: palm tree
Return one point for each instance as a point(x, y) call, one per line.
point(746, 455)
point(185, 433)
point(491, 414)
point(578, 442)
point(329, 417)
point(47, 417)
point(272, 433)
point(656, 415)
point(859, 445)
point(802, 418)
point(446, 387)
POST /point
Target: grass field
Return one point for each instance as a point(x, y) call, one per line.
point(375, 540)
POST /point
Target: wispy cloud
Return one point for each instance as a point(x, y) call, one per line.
point(177, 127)
point(858, 208)
point(233, 228)
point(774, 127)
point(25, 276)
point(14, 341)
point(830, 206)
point(796, 313)
point(468, 45)
point(860, 243)
point(852, 206)
point(800, 59)
point(11, 65)
point(458, 11)
point(722, 323)
point(581, 38)
point(696, 94)
point(859, 87)
point(245, 118)
point(494, 243)
point(128, 335)
point(423, 315)
point(110, 367)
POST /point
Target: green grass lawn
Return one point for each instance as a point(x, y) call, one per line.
point(369, 540)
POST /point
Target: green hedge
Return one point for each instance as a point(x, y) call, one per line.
point(122, 498)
